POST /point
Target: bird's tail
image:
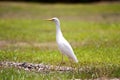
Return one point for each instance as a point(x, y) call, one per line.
point(74, 58)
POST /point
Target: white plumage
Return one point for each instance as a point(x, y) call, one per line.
point(64, 47)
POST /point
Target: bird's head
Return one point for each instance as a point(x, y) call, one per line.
point(55, 19)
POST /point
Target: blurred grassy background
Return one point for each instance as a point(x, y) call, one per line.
point(92, 29)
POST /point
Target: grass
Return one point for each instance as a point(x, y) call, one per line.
point(22, 75)
point(28, 38)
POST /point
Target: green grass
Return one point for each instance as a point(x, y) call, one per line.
point(92, 29)
point(23, 75)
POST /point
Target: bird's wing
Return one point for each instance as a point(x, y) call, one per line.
point(67, 49)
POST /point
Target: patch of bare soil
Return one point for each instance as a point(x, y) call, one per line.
point(36, 67)
point(4, 44)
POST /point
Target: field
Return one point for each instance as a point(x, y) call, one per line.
point(92, 29)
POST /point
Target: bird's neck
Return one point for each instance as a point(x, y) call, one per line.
point(58, 29)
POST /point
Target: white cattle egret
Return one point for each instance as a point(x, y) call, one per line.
point(64, 47)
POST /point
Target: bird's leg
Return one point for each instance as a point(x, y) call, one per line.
point(71, 62)
point(62, 59)
point(60, 62)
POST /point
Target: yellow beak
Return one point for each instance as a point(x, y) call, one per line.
point(49, 19)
